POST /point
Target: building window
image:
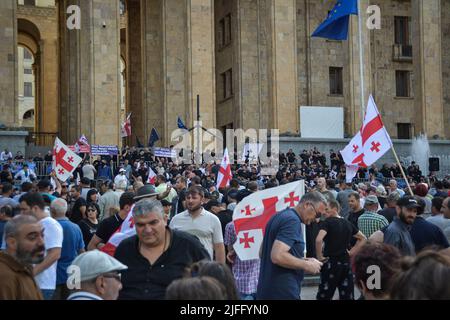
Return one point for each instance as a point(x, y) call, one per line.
point(29, 2)
point(227, 84)
point(27, 55)
point(28, 89)
point(225, 31)
point(27, 71)
point(402, 80)
point(336, 82)
point(404, 130)
point(402, 26)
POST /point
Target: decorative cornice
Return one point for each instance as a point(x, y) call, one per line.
point(36, 11)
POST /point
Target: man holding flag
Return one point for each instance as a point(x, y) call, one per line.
point(282, 251)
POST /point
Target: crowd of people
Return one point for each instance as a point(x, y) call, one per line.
point(184, 231)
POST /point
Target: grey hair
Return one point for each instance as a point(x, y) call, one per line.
point(59, 207)
point(13, 225)
point(145, 206)
point(314, 197)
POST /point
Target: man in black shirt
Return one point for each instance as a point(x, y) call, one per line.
point(109, 226)
point(336, 272)
point(156, 256)
point(79, 207)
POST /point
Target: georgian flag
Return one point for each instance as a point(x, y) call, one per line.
point(370, 143)
point(126, 128)
point(64, 160)
point(251, 215)
point(224, 176)
point(125, 231)
point(151, 176)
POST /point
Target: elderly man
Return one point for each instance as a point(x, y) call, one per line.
point(72, 246)
point(156, 255)
point(99, 276)
point(370, 221)
point(393, 187)
point(24, 238)
point(282, 250)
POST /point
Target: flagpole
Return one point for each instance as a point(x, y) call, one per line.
point(361, 59)
point(401, 169)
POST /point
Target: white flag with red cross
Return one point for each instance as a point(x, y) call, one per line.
point(370, 143)
point(125, 231)
point(224, 176)
point(126, 128)
point(151, 176)
point(251, 215)
point(65, 161)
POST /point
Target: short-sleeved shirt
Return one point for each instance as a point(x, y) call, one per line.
point(370, 222)
point(143, 281)
point(107, 227)
point(276, 282)
point(206, 227)
point(340, 232)
point(71, 245)
point(88, 229)
point(53, 238)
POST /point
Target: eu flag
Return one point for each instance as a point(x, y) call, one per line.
point(335, 27)
point(154, 136)
point(181, 124)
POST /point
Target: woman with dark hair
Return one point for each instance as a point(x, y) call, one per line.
point(89, 225)
point(218, 271)
point(425, 277)
point(92, 198)
point(199, 288)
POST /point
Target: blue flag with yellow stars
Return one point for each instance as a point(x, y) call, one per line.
point(335, 27)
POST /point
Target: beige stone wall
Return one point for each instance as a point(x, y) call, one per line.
point(393, 109)
point(427, 53)
point(446, 63)
point(8, 63)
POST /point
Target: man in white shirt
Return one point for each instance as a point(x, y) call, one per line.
point(201, 223)
point(45, 272)
point(161, 187)
point(121, 178)
point(25, 175)
point(6, 155)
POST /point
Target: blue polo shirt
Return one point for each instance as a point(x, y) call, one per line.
point(72, 244)
point(276, 282)
point(424, 234)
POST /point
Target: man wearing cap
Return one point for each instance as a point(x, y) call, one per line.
point(370, 221)
point(397, 233)
point(99, 276)
point(157, 255)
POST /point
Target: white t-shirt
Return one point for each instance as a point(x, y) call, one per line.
point(206, 227)
point(53, 238)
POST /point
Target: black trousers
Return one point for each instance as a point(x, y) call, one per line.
point(336, 273)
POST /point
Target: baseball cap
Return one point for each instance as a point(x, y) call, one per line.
point(165, 203)
point(408, 202)
point(145, 192)
point(371, 200)
point(95, 263)
point(122, 170)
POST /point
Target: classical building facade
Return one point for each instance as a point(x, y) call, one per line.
point(252, 62)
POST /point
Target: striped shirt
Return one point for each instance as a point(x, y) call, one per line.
point(369, 222)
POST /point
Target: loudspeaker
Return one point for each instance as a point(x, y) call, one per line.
point(434, 164)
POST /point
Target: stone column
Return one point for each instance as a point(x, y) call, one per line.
point(353, 115)
point(8, 63)
point(251, 67)
point(201, 61)
point(427, 56)
point(283, 65)
point(90, 62)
